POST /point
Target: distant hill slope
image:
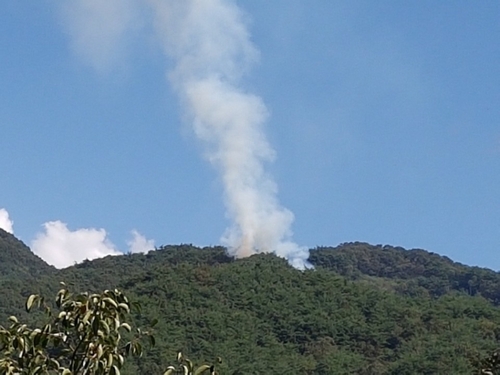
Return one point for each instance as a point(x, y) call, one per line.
point(21, 273)
point(420, 270)
point(363, 310)
point(17, 259)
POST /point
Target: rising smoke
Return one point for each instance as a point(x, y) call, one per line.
point(212, 49)
point(210, 45)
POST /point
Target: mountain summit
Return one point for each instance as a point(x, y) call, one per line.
point(16, 259)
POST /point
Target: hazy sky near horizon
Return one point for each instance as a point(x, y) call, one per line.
point(384, 116)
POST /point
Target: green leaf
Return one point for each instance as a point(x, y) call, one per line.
point(29, 302)
point(105, 326)
point(137, 349)
point(87, 317)
point(128, 346)
point(110, 301)
point(152, 340)
point(99, 351)
point(114, 370)
point(95, 326)
point(124, 306)
point(202, 369)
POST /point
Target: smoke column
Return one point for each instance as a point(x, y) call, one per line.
point(211, 48)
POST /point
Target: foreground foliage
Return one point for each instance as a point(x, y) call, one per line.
point(83, 337)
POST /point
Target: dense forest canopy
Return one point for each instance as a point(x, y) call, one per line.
point(363, 309)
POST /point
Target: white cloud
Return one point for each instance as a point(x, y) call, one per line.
point(5, 223)
point(139, 243)
point(61, 247)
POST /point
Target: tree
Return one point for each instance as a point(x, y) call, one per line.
point(489, 365)
point(85, 336)
point(186, 367)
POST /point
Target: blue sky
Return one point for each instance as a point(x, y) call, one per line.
point(383, 115)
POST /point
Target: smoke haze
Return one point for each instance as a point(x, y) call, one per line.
point(98, 29)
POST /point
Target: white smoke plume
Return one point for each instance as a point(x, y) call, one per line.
point(99, 29)
point(5, 222)
point(211, 46)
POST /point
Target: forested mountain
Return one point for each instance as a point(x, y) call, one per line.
point(17, 259)
point(363, 310)
point(21, 273)
point(417, 271)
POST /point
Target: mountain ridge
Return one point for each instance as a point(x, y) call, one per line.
point(364, 309)
point(15, 256)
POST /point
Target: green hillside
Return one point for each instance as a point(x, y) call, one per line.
point(363, 309)
point(415, 271)
point(18, 260)
point(21, 273)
